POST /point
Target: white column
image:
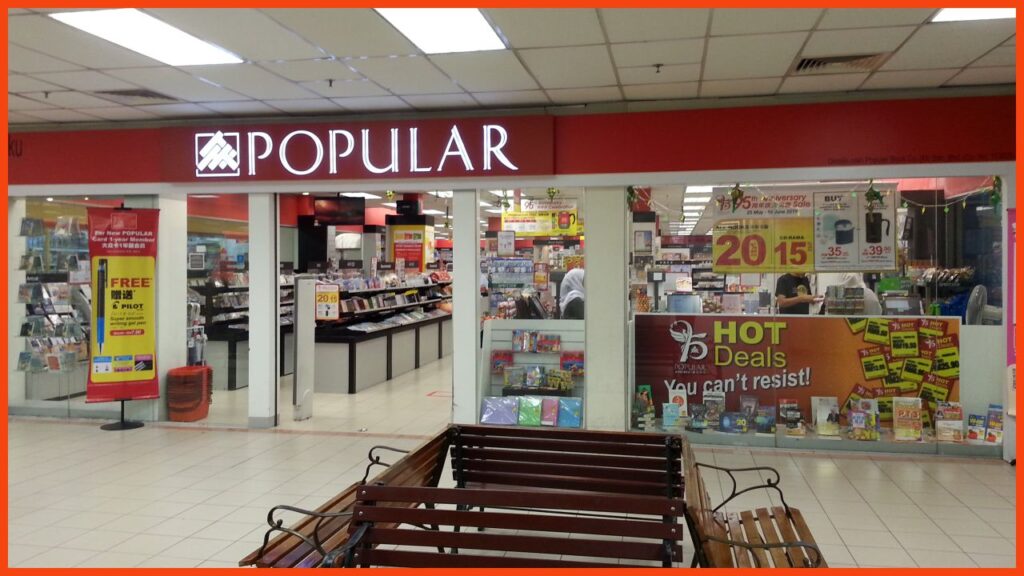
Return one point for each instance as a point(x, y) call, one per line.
point(466, 298)
point(1009, 201)
point(15, 310)
point(263, 310)
point(171, 296)
point(606, 301)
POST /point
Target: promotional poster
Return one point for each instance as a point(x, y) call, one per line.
point(796, 357)
point(122, 249)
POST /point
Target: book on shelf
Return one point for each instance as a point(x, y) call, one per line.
point(549, 412)
point(529, 410)
point(790, 414)
point(570, 412)
point(994, 424)
point(679, 398)
point(534, 377)
point(949, 422)
point(670, 415)
point(698, 417)
point(500, 359)
point(764, 421)
point(826, 416)
point(573, 362)
point(500, 410)
point(906, 419)
point(733, 423)
point(715, 403)
point(748, 406)
point(976, 428)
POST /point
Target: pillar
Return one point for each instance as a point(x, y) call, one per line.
point(465, 313)
point(15, 310)
point(263, 310)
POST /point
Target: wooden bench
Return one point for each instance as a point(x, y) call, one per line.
point(305, 544)
point(385, 525)
point(763, 538)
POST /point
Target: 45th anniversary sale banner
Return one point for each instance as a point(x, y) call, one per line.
point(122, 252)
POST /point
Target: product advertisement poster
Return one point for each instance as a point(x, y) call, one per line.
point(543, 223)
point(854, 232)
point(408, 243)
point(122, 249)
point(797, 357)
point(763, 245)
point(328, 301)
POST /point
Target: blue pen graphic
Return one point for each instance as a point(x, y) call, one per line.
point(101, 302)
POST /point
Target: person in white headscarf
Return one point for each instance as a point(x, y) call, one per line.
point(571, 303)
point(872, 307)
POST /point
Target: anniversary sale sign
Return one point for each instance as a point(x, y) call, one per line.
point(122, 250)
point(797, 357)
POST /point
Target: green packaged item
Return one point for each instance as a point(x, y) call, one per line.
point(529, 410)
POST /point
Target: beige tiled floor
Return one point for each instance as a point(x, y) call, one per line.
point(172, 495)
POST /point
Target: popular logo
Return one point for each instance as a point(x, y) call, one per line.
point(217, 154)
point(690, 345)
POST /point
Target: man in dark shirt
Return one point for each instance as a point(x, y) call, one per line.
point(793, 293)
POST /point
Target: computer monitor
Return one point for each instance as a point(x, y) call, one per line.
point(684, 303)
point(901, 306)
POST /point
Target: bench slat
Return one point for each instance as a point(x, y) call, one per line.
point(764, 520)
point(796, 553)
point(754, 537)
point(736, 533)
point(402, 558)
point(630, 462)
point(643, 438)
point(560, 445)
point(519, 521)
point(518, 498)
point(804, 532)
point(566, 483)
point(528, 467)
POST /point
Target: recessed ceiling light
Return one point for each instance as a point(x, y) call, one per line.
point(493, 211)
point(85, 198)
point(148, 36)
point(964, 14)
point(390, 204)
point(444, 30)
point(49, 198)
point(305, 193)
point(700, 189)
point(691, 214)
point(696, 199)
point(432, 212)
point(363, 195)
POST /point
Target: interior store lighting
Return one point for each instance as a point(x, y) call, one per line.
point(444, 30)
point(390, 204)
point(485, 204)
point(700, 189)
point(432, 212)
point(441, 193)
point(362, 195)
point(493, 211)
point(142, 33)
point(966, 14)
point(696, 199)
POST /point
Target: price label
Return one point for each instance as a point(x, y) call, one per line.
point(877, 331)
point(763, 245)
point(856, 325)
point(903, 338)
point(914, 369)
point(328, 300)
point(872, 362)
point(385, 266)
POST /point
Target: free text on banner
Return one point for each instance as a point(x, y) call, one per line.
point(763, 245)
point(798, 357)
point(122, 250)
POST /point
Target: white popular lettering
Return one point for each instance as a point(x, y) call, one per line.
point(495, 149)
point(460, 150)
point(393, 167)
point(414, 152)
point(334, 147)
point(283, 152)
point(252, 149)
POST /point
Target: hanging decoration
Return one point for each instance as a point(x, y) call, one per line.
point(390, 195)
point(736, 195)
point(996, 191)
point(552, 192)
point(504, 204)
point(874, 197)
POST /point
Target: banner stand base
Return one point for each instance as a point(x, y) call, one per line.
point(123, 424)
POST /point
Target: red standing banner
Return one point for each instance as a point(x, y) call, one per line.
point(122, 257)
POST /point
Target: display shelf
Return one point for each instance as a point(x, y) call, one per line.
point(392, 289)
point(391, 308)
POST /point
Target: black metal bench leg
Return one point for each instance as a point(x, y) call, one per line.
point(480, 528)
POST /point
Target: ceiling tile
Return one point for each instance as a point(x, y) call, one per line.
point(660, 52)
point(379, 103)
point(856, 41)
point(304, 106)
point(752, 87)
point(516, 98)
point(406, 75)
point(250, 80)
point(541, 28)
point(16, 118)
point(667, 74)
point(429, 101)
point(241, 107)
point(485, 71)
point(312, 70)
point(68, 99)
point(585, 95)
point(56, 115)
point(121, 113)
point(1002, 56)
point(822, 83)
point(993, 75)
point(175, 83)
point(345, 88)
point(950, 44)
point(86, 81)
point(15, 102)
point(636, 25)
point(179, 111)
point(883, 80)
point(346, 32)
point(672, 91)
point(18, 83)
point(24, 60)
point(869, 17)
point(573, 67)
point(725, 22)
point(46, 35)
point(751, 56)
point(248, 33)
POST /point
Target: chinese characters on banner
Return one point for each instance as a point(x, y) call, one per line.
point(853, 234)
point(122, 252)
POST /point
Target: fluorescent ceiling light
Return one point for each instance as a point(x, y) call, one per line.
point(444, 30)
point(964, 14)
point(691, 214)
point(700, 189)
point(433, 212)
point(503, 193)
point(148, 36)
point(441, 193)
point(486, 205)
point(203, 196)
point(363, 195)
point(696, 199)
point(493, 211)
point(390, 204)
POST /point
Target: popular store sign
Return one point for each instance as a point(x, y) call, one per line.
point(420, 149)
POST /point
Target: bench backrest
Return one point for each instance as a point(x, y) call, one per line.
point(702, 521)
point(386, 528)
point(576, 460)
point(420, 467)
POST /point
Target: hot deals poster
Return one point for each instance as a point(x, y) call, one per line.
point(122, 250)
point(797, 357)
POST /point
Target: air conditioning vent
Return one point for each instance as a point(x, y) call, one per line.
point(136, 97)
point(839, 64)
